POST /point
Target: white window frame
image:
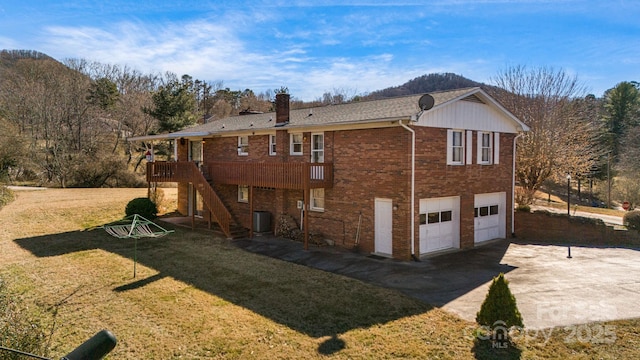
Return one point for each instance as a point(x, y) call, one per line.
point(317, 151)
point(243, 145)
point(316, 199)
point(243, 193)
point(272, 144)
point(293, 143)
point(452, 149)
point(485, 149)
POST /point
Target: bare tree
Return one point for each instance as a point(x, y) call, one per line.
point(627, 184)
point(563, 133)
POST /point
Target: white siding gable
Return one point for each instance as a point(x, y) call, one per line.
point(469, 115)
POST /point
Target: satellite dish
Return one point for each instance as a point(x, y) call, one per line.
point(426, 102)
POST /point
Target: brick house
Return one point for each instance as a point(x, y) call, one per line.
point(401, 177)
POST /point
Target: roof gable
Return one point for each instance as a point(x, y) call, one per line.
point(475, 110)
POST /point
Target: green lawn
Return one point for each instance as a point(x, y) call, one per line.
point(199, 297)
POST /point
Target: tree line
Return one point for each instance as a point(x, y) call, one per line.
point(574, 136)
point(66, 123)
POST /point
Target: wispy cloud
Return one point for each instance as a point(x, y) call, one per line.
point(316, 46)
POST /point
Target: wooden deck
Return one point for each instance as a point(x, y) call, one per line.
point(296, 176)
point(273, 175)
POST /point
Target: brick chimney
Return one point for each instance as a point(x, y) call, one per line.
point(282, 108)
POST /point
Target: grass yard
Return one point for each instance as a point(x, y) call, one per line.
point(200, 297)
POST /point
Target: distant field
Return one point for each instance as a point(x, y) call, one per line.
point(199, 297)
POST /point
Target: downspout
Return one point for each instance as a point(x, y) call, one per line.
point(175, 150)
point(513, 188)
point(413, 188)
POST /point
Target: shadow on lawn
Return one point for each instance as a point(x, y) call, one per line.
point(313, 303)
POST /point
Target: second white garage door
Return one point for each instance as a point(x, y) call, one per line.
point(490, 216)
point(439, 224)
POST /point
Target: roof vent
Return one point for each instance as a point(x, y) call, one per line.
point(473, 98)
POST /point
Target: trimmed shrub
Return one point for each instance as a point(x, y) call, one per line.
point(157, 196)
point(632, 220)
point(142, 206)
point(499, 307)
point(523, 208)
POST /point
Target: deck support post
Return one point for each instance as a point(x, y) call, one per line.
point(194, 206)
point(305, 206)
point(251, 212)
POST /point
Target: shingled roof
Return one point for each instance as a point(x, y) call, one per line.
point(349, 113)
point(361, 113)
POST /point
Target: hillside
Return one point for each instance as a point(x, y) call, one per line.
point(424, 84)
point(8, 58)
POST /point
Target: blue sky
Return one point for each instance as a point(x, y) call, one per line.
point(316, 46)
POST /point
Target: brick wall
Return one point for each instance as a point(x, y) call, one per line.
point(434, 178)
point(369, 164)
point(540, 227)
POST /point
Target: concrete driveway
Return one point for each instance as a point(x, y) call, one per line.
point(596, 284)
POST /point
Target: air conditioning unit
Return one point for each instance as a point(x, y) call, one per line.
point(261, 221)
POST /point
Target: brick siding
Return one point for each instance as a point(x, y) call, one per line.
point(368, 164)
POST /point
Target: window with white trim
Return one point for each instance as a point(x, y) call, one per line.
point(485, 148)
point(317, 148)
point(243, 193)
point(296, 144)
point(317, 200)
point(455, 147)
point(272, 144)
point(243, 145)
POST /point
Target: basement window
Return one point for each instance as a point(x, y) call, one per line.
point(317, 199)
point(243, 193)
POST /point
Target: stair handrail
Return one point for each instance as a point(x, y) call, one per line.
point(211, 199)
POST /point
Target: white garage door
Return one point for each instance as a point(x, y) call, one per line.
point(439, 224)
point(490, 216)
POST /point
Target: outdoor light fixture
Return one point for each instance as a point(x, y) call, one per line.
point(568, 194)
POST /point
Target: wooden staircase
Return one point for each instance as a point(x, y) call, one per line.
point(212, 201)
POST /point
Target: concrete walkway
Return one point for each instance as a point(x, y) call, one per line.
point(596, 284)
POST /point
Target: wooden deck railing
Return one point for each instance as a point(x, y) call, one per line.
point(273, 175)
point(189, 172)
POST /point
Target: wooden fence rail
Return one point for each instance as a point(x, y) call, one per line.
point(273, 175)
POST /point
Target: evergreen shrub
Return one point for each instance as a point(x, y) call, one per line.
point(632, 220)
point(142, 206)
point(499, 306)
